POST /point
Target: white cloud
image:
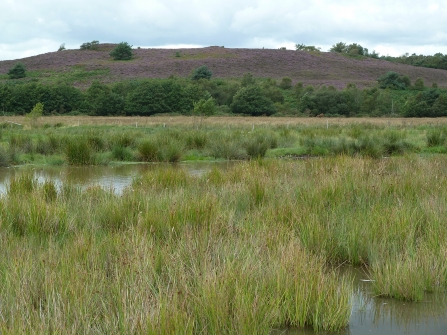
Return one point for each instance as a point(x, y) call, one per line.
point(395, 27)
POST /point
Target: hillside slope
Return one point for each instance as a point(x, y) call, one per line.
point(319, 68)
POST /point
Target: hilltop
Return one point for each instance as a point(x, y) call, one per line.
point(81, 67)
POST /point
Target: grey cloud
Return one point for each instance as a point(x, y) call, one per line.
point(244, 23)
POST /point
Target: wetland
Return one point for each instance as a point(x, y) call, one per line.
point(347, 242)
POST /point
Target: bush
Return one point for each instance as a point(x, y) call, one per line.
point(394, 81)
point(35, 113)
point(123, 51)
point(247, 80)
point(204, 107)
point(17, 72)
point(419, 84)
point(202, 73)
point(250, 100)
point(151, 97)
point(286, 83)
point(93, 45)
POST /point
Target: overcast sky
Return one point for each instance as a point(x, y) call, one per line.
point(394, 27)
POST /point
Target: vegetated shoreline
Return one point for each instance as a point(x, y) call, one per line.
point(243, 251)
point(117, 140)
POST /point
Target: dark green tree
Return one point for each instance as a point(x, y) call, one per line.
point(247, 80)
point(250, 100)
point(152, 97)
point(202, 73)
point(424, 104)
point(123, 51)
point(394, 81)
point(338, 47)
point(93, 45)
point(298, 89)
point(17, 72)
point(419, 84)
point(302, 47)
point(286, 83)
point(356, 49)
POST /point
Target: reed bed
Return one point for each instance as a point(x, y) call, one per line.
point(245, 251)
point(183, 138)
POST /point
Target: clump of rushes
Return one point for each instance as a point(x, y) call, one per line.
point(148, 151)
point(78, 152)
point(222, 253)
point(121, 153)
point(4, 157)
point(435, 138)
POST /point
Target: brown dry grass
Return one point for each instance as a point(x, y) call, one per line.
point(218, 121)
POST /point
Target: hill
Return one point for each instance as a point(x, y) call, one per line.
point(81, 67)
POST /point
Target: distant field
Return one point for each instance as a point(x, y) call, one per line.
point(220, 120)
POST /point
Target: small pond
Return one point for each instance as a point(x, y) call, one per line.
point(115, 177)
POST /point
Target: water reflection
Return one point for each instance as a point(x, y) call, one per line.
point(374, 315)
point(110, 177)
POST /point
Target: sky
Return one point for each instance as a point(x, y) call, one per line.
point(390, 27)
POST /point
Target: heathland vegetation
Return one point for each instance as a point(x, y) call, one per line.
point(103, 79)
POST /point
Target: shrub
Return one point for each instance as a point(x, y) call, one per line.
point(394, 81)
point(17, 72)
point(419, 84)
point(247, 80)
point(93, 45)
point(202, 73)
point(250, 100)
point(123, 51)
point(204, 107)
point(286, 83)
point(35, 113)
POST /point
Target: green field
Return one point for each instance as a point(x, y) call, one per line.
point(99, 141)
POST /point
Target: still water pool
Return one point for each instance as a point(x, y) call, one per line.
point(110, 177)
point(384, 316)
point(370, 315)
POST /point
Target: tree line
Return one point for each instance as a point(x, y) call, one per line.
point(436, 61)
point(394, 94)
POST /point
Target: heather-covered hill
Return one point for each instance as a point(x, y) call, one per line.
point(80, 67)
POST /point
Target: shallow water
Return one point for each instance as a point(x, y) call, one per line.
point(111, 177)
point(385, 316)
point(370, 315)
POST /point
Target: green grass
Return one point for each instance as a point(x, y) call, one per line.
point(244, 251)
point(39, 145)
point(76, 74)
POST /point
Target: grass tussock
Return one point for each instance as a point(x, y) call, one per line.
point(179, 139)
point(244, 251)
